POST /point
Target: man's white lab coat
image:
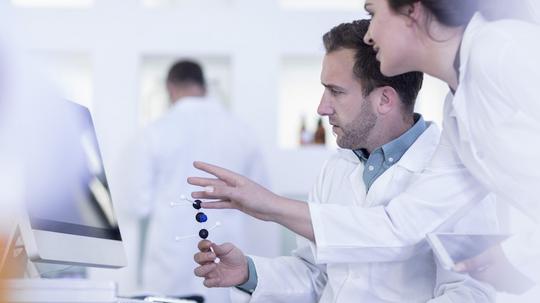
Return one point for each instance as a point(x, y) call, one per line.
point(193, 129)
point(307, 276)
point(490, 142)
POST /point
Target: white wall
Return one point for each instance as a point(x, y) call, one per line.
point(116, 35)
point(104, 46)
point(98, 53)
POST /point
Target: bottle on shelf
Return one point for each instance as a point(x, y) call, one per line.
point(305, 136)
point(320, 133)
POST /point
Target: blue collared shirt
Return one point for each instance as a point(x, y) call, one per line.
point(251, 283)
point(387, 155)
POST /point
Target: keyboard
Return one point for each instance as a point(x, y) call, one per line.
point(155, 300)
point(72, 291)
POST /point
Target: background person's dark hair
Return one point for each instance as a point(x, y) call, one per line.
point(366, 67)
point(186, 72)
point(456, 13)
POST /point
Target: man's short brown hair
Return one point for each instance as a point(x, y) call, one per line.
point(366, 67)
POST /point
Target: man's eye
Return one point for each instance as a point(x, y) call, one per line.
point(335, 92)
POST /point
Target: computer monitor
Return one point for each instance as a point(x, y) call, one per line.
point(70, 217)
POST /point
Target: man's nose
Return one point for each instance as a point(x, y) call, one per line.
point(324, 108)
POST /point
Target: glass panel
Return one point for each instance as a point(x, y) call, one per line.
point(53, 3)
point(71, 73)
point(185, 3)
point(300, 93)
point(431, 98)
point(154, 100)
point(323, 4)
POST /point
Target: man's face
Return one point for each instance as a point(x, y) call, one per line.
point(351, 114)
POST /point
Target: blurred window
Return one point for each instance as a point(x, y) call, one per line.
point(71, 74)
point(300, 92)
point(323, 4)
point(154, 100)
point(54, 3)
point(185, 3)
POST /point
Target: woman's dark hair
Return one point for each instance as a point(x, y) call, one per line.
point(366, 67)
point(459, 12)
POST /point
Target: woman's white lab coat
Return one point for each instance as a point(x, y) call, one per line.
point(494, 121)
point(305, 277)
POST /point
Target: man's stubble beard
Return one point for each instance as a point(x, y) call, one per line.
point(357, 133)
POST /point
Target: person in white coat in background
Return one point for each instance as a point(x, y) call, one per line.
point(196, 126)
point(385, 144)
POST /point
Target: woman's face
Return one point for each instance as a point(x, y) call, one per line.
point(392, 35)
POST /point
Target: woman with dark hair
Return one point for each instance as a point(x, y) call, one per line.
point(491, 61)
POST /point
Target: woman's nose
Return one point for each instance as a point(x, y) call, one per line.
point(367, 38)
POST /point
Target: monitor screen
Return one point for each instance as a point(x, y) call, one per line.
point(67, 189)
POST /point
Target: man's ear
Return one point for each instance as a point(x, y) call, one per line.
point(169, 87)
point(388, 100)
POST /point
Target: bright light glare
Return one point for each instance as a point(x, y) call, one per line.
point(323, 4)
point(53, 3)
point(183, 3)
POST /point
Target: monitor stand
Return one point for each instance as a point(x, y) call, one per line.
point(24, 283)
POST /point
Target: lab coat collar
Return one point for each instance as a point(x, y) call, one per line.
point(477, 21)
point(414, 159)
point(397, 147)
point(348, 155)
point(189, 102)
point(459, 107)
point(419, 154)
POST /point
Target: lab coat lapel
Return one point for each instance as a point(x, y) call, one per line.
point(355, 178)
point(456, 112)
point(391, 182)
point(458, 108)
point(358, 186)
point(381, 186)
point(420, 153)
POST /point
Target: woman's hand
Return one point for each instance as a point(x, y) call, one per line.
point(493, 267)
